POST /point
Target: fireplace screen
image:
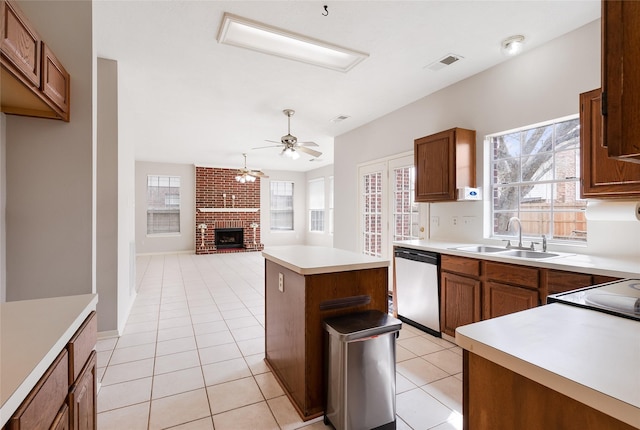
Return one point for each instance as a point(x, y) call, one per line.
point(229, 238)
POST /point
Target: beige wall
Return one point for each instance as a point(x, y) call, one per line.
point(3, 204)
point(538, 85)
point(50, 214)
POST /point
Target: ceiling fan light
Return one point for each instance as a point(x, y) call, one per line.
point(294, 155)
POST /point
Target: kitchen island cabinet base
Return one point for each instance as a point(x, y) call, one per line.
point(496, 398)
point(294, 336)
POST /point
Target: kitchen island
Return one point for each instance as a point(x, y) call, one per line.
point(47, 358)
point(551, 367)
point(303, 286)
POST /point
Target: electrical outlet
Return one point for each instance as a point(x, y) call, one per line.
point(281, 282)
point(435, 221)
point(454, 220)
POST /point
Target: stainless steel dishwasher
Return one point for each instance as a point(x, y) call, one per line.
point(418, 288)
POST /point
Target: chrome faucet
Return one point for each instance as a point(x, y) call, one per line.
point(517, 220)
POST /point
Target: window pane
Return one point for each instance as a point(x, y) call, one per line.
point(163, 204)
point(281, 205)
point(540, 183)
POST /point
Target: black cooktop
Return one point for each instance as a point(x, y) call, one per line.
point(620, 298)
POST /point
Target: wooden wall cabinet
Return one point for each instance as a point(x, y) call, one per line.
point(621, 78)
point(602, 177)
point(444, 162)
point(65, 397)
point(34, 81)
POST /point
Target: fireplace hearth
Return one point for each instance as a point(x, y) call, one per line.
point(227, 238)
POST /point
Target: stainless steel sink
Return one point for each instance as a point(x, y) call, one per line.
point(529, 254)
point(480, 248)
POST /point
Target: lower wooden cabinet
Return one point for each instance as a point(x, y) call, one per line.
point(459, 302)
point(82, 398)
point(502, 299)
point(61, 401)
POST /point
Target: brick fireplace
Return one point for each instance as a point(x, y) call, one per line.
point(228, 206)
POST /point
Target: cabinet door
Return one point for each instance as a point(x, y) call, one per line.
point(500, 299)
point(460, 302)
point(55, 82)
point(82, 398)
point(20, 45)
point(602, 176)
point(621, 78)
point(435, 167)
point(62, 419)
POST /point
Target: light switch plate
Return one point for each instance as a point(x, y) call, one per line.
point(281, 282)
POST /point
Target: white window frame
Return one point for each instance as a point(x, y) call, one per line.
point(281, 209)
point(317, 218)
point(494, 227)
point(163, 202)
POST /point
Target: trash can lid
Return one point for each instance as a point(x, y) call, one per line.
point(362, 324)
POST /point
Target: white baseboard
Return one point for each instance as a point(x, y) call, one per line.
point(108, 334)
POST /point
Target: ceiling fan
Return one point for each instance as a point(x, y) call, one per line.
point(290, 144)
point(248, 175)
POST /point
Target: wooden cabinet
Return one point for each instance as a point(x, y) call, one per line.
point(444, 162)
point(34, 82)
point(40, 409)
point(508, 288)
point(459, 302)
point(497, 398)
point(472, 290)
point(294, 334)
point(83, 399)
point(602, 177)
point(621, 78)
point(560, 281)
point(60, 400)
point(503, 299)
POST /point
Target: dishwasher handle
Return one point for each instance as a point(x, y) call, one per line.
point(417, 255)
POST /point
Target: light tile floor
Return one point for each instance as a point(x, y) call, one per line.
point(191, 356)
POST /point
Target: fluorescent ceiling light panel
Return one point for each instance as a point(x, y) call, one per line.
point(245, 33)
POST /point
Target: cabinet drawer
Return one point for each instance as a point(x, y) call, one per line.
point(559, 281)
point(81, 345)
point(466, 266)
point(508, 273)
point(40, 408)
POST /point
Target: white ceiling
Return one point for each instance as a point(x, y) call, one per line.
point(185, 98)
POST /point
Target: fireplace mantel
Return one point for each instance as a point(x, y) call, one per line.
point(229, 209)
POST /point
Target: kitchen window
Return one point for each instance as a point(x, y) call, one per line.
point(316, 205)
point(535, 176)
point(281, 206)
point(163, 204)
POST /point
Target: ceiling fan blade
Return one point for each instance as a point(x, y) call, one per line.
point(269, 146)
point(274, 141)
point(312, 152)
point(307, 144)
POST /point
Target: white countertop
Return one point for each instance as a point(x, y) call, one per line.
point(313, 260)
point(33, 333)
point(589, 356)
point(619, 267)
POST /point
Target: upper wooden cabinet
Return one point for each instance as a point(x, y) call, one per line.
point(34, 82)
point(621, 78)
point(602, 177)
point(444, 162)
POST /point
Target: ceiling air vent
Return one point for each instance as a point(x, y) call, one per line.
point(447, 60)
point(340, 118)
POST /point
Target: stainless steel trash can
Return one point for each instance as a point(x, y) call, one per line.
point(361, 371)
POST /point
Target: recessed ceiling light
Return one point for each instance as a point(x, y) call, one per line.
point(245, 33)
point(513, 45)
